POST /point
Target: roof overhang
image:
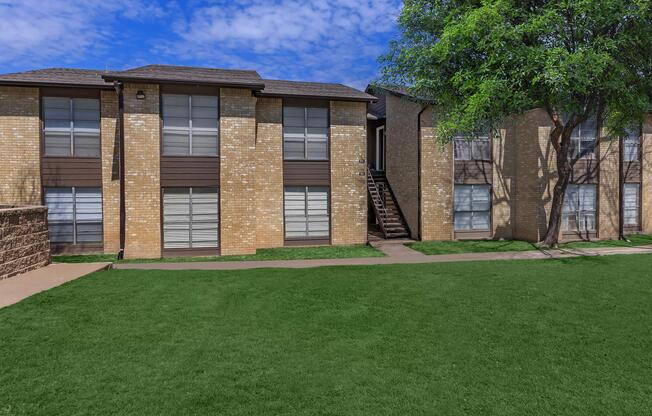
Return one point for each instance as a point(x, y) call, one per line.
point(250, 86)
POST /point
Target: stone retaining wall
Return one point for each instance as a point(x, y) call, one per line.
point(24, 243)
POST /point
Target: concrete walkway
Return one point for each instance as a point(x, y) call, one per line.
point(17, 288)
point(396, 252)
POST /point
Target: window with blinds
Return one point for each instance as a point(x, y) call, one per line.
point(74, 215)
point(190, 218)
point(305, 133)
point(631, 204)
point(71, 127)
point(472, 207)
point(583, 139)
point(465, 148)
point(579, 209)
point(306, 212)
point(190, 125)
point(631, 145)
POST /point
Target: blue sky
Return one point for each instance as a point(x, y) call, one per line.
point(323, 40)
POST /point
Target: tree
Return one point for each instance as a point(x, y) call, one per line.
point(484, 60)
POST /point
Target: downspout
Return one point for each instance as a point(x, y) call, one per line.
point(621, 189)
point(423, 108)
point(121, 134)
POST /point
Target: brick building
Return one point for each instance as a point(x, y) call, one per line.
point(166, 160)
point(500, 185)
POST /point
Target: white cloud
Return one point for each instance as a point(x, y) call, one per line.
point(326, 40)
point(36, 32)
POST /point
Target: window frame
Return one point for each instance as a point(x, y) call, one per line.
point(488, 211)
point(579, 212)
point(74, 222)
point(473, 144)
point(637, 208)
point(578, 139)
point(637, 140)
point(163, 129)
point(306, 188)
point(190, 222)
point(70, 130)
point(306, 107)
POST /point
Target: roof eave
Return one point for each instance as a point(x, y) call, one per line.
point(318, 97)
point(53, 84)
point(250, 86)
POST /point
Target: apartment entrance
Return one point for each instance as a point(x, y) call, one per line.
point(379, 159)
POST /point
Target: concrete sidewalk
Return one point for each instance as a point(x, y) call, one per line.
point(396, 254)
point(17, 288)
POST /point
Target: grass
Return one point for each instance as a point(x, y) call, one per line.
point(539, 337)
point(485, 246)
point(283, 253)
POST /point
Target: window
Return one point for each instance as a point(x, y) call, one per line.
point(476, 149)
point(306, 212)
point(190, 218)
point(472, 207)
point(305, 133)
point(583, 140)
point(74, 215)
point(631, 203)
point(71, 126)
point(579, 208)
point(190, 125)
point(631, 145)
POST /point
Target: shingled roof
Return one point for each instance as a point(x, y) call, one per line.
point(57, 77)
point(278, 88)
point(190, 74)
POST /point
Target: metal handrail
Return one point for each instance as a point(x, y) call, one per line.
point(379, 204)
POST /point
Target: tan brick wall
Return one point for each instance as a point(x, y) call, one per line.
point(24, 243)
point(269, 172)
point(110, 172)
point(237, 171)
point(504, 159)
point(348, 135)
point(142, 172)
point(609, 188)
point(402, 157)
point(646, 173)
point(20, 146)
point(436, 183)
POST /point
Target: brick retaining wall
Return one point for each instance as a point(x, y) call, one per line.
point(24, 243)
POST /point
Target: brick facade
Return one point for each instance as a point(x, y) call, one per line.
point(348, 135)
point(646, 176)
point(609, 188)
point(436, 183)
point(110, 171)
point(237, 171)
point(402, 168)
point(503, 164)
point(269, 172)
point(142, 172)
point(24, 243)
point(20, 130)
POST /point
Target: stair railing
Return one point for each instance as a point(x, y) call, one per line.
point(379, 203)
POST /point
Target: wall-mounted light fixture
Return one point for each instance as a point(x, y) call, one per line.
point(140, 95)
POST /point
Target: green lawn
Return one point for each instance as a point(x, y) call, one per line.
point(283, 253)
point(484, 246)
point(538, 337)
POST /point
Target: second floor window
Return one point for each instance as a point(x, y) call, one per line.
point(305, 133)
point(476, 149)
point(631, 145)
point(583, 140)
point(190, 125)
point(71, 127)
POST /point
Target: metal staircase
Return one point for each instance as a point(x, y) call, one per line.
point(387, 212)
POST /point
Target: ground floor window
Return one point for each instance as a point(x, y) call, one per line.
point(579, 211)
point(190, 218)
point(631, 204)
point(306, 212)
point(74, 215)
point(472, 207)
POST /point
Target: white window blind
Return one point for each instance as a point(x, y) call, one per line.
point(631, 145)
point(579, 210)
point(583, 139)
point(306, 212)
point(305, 133)
point(190, 218)
point(71, 126)
point(74, 215)
point(631, 203)
point(472, 149)
point(472, 207)
point(190, 125)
